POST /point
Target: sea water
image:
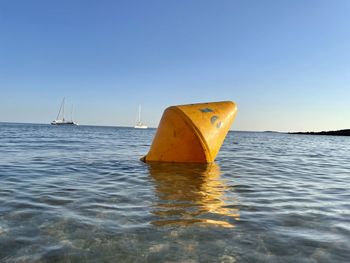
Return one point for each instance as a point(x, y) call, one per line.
point(80, 194)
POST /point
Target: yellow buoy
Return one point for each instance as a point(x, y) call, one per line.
point(192, 133)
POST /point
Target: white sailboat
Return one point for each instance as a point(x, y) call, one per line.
point(62, 120)
point(139, 124)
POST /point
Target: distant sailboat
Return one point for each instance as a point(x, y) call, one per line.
point(63, 121)
point(139, 124)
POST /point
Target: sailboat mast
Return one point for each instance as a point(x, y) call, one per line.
point(63, 110)
point(59, 112)
point(139, 113)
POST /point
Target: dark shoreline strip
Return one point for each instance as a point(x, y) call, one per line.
point(332, 133)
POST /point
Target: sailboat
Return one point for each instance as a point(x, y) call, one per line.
point(139, 124)
point(63, 121)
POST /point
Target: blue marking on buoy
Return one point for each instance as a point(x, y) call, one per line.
point(206, 110)
point(213, 119)
point(218, 125)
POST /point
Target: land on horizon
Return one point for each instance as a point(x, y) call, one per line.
point(344, 132)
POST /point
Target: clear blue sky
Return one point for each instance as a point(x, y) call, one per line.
point(285, 63)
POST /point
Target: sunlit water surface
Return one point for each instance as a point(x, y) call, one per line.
point(71, 194)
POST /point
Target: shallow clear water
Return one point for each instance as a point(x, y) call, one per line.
point(81, 194)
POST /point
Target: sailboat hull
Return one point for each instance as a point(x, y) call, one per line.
point(140, 127)
point(59, 122)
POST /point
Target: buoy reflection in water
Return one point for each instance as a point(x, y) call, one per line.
point(191, 194)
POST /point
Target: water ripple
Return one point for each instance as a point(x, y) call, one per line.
point(80, 194)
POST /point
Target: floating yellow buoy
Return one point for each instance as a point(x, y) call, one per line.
point(192, 133)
